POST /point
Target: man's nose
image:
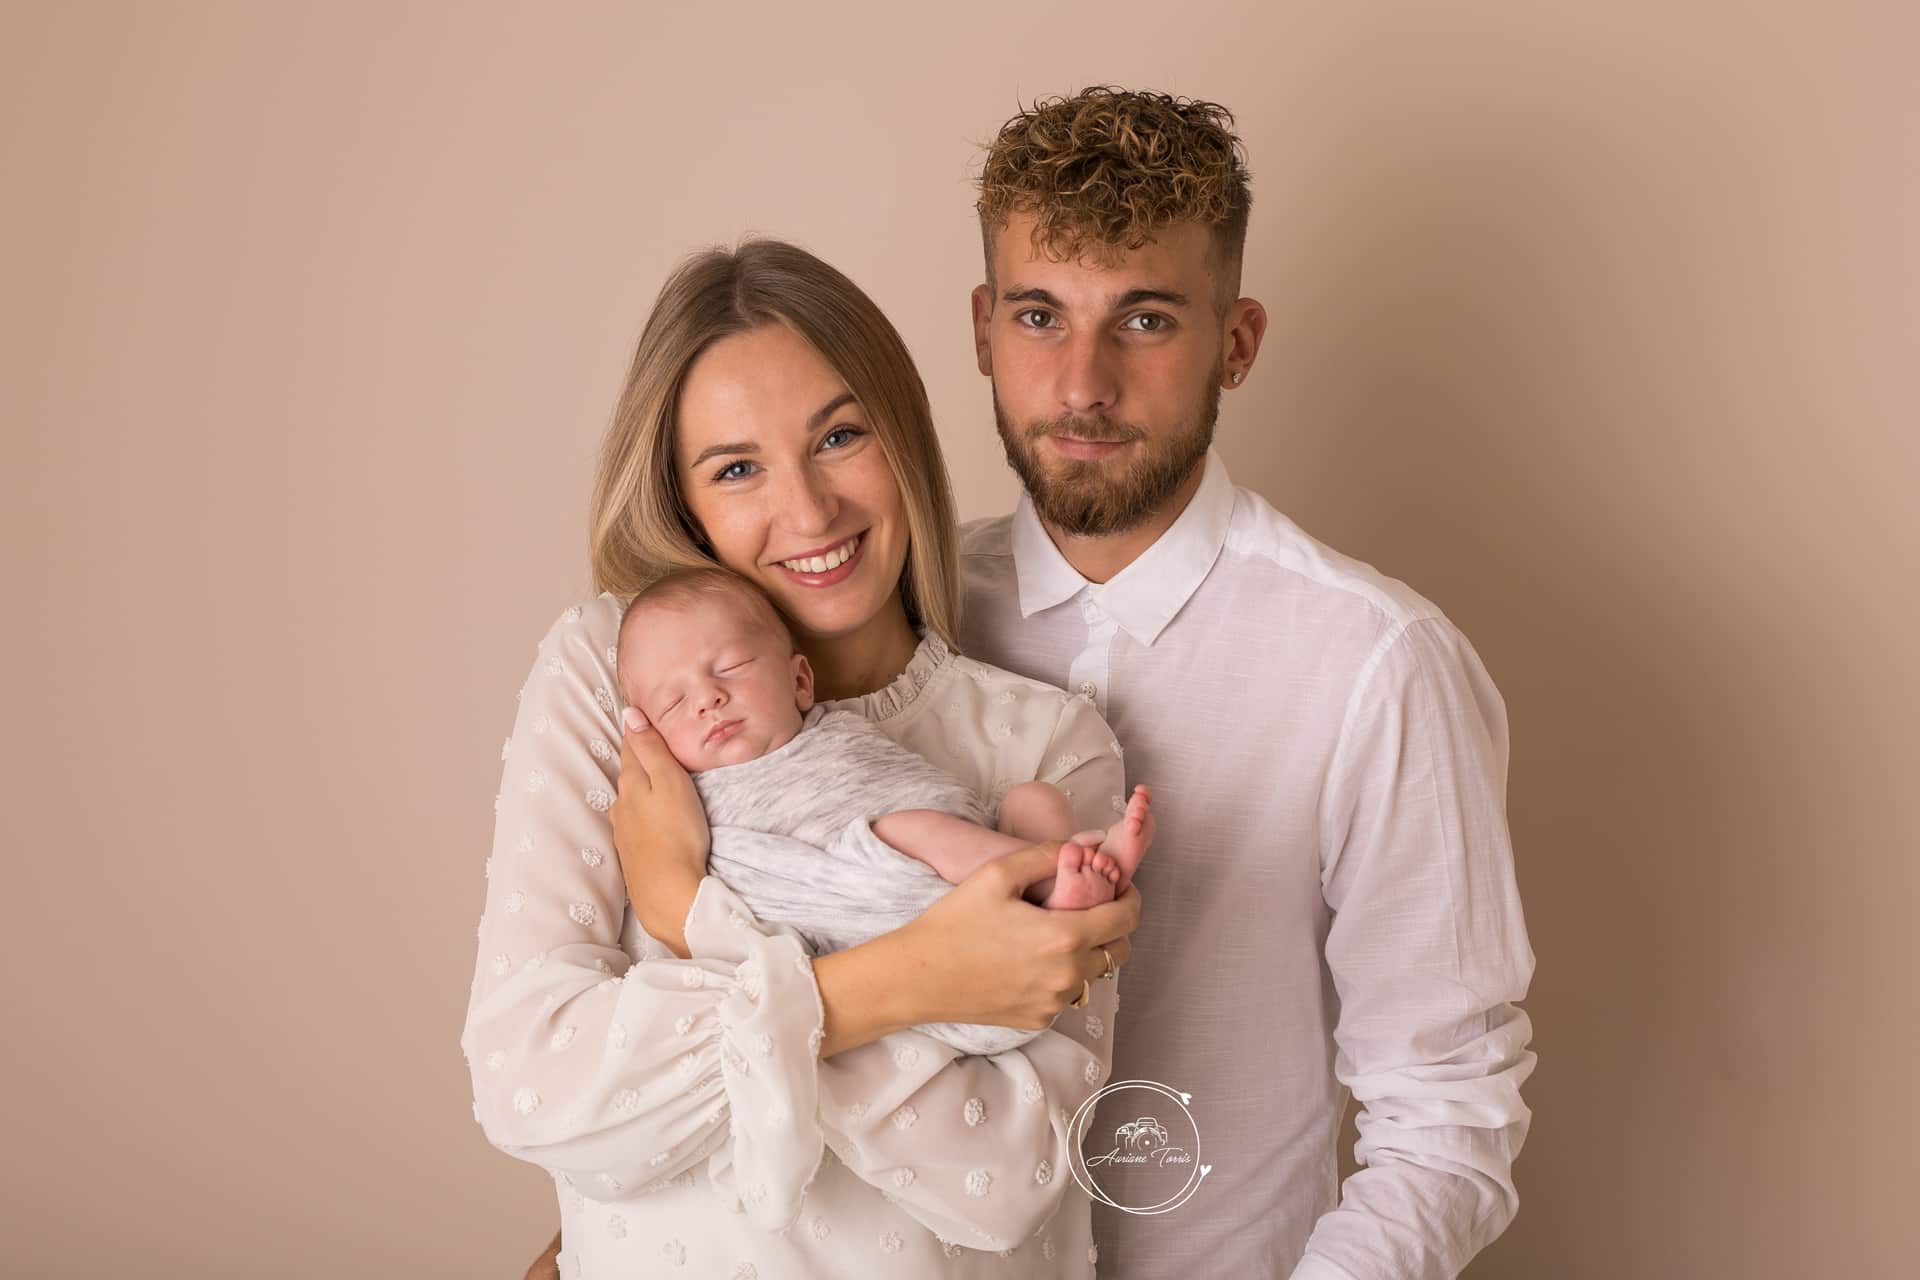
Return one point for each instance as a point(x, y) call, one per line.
point(1089, 377)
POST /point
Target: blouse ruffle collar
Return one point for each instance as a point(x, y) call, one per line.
point(892, 699)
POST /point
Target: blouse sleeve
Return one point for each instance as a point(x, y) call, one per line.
point(975, 1148)
point(619, 1067)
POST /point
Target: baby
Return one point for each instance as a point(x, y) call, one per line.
point(818, 819)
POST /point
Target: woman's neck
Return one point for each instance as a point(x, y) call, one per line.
point(862, 660)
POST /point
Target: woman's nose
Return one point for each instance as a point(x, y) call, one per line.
point(810, 503)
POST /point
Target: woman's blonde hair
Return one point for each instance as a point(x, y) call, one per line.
point(640, 527)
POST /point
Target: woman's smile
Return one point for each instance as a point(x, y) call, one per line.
point(835, 565)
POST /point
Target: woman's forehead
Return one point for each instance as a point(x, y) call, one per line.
point(765, 383)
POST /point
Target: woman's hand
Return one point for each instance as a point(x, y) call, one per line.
point(660, 833)
point(984, 954)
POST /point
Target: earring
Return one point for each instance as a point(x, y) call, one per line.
point(1237, 375)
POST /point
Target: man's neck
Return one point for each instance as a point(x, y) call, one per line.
point(1098, 559)
point(862, 660)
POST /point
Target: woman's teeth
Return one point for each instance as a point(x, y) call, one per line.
point(820, 564)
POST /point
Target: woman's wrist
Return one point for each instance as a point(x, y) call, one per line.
point(667, 902)
point(869, 991)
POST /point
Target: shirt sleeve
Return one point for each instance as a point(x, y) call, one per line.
point(976, 1148)
point(1428, 953)
point(618, 1066)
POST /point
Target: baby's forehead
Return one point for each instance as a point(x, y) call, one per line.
point(702, 622)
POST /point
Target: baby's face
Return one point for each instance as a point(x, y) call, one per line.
point(719, 685)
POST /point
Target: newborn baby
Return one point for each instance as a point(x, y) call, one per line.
point(819, 820)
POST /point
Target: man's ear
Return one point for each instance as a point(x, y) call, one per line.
point(982, 317)
point(802, 682)
point(1246, 325)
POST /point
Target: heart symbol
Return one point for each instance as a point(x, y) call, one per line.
point(1205, 1169)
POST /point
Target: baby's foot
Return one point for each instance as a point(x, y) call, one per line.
point(1084, 878)
point(1127, 840)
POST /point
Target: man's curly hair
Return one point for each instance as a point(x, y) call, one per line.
point(1107, 169)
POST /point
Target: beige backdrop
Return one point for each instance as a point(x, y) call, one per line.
point(1596, 323)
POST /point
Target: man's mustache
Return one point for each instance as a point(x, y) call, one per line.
point(1091, 431)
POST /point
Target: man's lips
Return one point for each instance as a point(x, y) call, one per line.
point(1082, 448)
point(721, 732)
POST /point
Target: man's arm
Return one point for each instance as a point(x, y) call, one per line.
point(1428, 951)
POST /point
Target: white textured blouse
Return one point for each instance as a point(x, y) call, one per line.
point(680, 1104)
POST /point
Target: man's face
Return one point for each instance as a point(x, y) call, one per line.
point(1106, 375)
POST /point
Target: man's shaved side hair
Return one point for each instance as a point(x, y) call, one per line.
point(1107, 169)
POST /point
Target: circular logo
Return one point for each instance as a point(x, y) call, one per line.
point(1136, 1147)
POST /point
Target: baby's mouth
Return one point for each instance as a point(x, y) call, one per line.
point(721, 732)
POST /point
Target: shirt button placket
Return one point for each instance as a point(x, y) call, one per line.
point(1088, 674)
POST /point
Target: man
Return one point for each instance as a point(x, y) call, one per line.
point(1331, 903)
point(1331, 898)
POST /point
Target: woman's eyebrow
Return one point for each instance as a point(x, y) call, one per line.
point(715, 450)
point(826, 410)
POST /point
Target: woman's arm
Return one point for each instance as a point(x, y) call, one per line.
point(603, 1059)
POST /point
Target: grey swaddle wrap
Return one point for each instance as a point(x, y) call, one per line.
point(792, 836)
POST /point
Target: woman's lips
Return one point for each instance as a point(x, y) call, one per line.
point(839, 572)
point(721, 732)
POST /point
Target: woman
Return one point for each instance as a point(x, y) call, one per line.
point(705, 1094)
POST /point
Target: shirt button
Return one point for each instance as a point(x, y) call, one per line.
point(1087, 689)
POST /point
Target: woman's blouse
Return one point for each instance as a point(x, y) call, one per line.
point(681, 1104)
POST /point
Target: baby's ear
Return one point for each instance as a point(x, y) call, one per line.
point(802, 682)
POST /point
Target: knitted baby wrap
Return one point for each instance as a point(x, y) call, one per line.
point(792, 835)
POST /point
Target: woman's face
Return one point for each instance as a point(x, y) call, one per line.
point(781, 468)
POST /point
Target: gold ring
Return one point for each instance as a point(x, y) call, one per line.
point(1111, 968)
point(1086, 990)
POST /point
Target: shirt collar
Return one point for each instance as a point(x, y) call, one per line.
point(1143, 597)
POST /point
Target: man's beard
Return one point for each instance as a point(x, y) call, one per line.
point(1077, 496)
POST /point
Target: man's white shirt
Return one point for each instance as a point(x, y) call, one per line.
point(1330, 903)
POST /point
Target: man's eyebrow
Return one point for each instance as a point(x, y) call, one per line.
point(820, 415)
point(1040, 296)
point(1134, 297)
point(1131, 298)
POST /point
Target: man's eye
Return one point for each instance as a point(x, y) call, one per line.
point(1146, 322)
point(848, 434)
point(1035, 319)
point(731, 471)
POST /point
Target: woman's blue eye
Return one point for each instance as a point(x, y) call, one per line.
point(849, 432)
point(727, 472)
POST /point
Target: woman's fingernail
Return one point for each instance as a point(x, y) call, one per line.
point(631, 718)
